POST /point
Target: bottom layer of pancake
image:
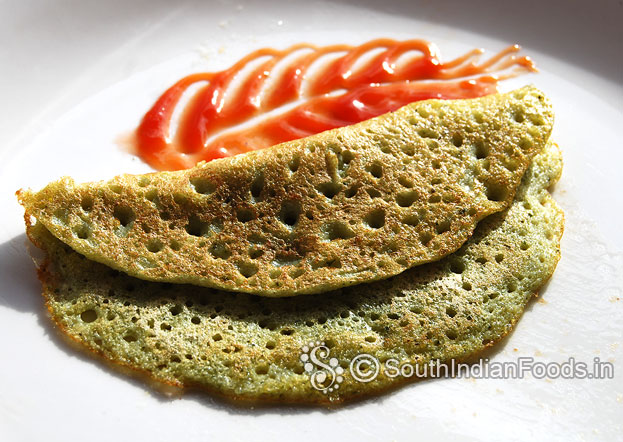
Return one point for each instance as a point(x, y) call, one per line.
point(258, 349)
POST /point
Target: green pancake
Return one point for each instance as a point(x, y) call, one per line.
point(249, 348)
point(347, 206)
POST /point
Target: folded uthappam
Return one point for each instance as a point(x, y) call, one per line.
point(255, 348)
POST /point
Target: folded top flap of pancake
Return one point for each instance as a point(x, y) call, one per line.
point(350, 205)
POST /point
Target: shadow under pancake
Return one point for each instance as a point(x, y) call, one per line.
point(20, 289)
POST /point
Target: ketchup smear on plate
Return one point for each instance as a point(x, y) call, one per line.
point(325, 87)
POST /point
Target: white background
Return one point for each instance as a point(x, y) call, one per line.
point(75, 75)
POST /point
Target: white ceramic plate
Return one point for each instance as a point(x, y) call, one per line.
point(76, 75)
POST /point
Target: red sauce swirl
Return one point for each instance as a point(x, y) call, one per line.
point(355, 84)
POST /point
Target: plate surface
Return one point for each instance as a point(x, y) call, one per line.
point(77, 75)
